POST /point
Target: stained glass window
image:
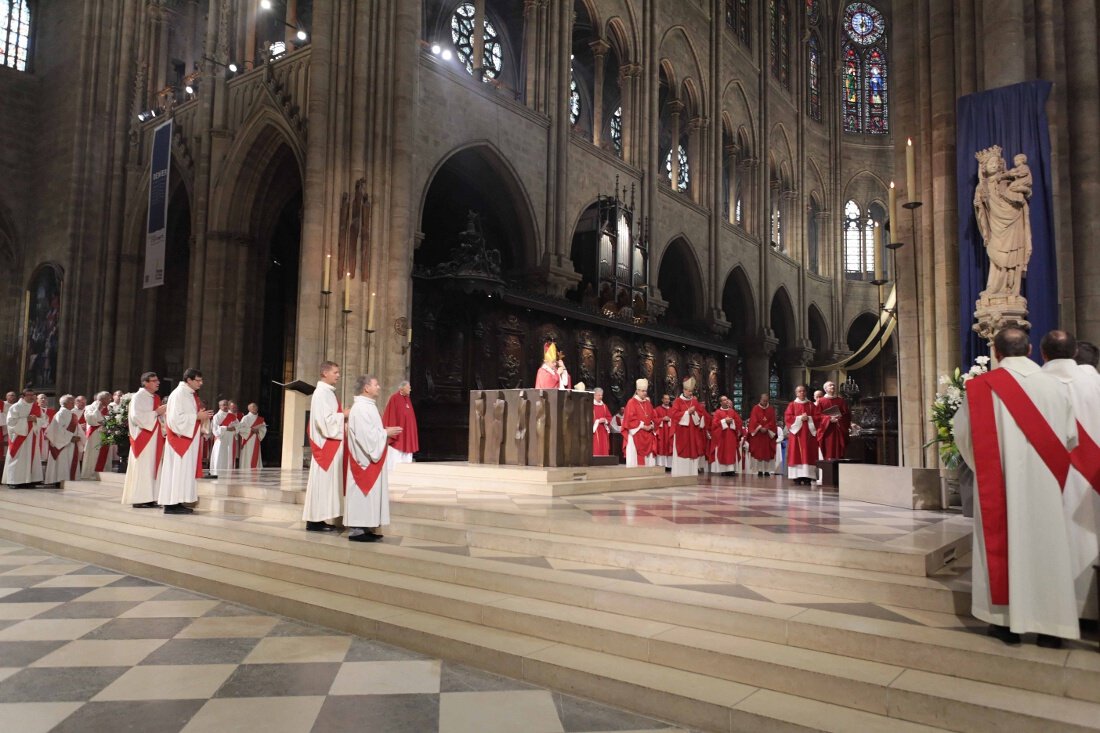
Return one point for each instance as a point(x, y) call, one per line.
point(739, 386)
point(863, 55)
point(574, 99)
point(462, 34)
point(617, 130)
point(813, 10)
point(813, 237)
point(813, 71)
point(737, 19)
point(859, 242)
point(777, 229)
point(773, 378)
point(738, 212)
point(781, 41)
point(685, 172)
point(15, 33)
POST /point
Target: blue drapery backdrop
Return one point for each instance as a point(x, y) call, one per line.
point(1015, 118)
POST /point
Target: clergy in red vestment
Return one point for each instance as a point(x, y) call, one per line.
point(399, 413)
point(726, 429)
point(836, 422)
point(639, 422)
point(664, 432)
point(762, 434)
point(689, 421)
point(601, 425)
point(801, 420)
point(552, 374)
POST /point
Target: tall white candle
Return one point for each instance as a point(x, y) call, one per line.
point(347, 292)
point(910, 172)
point(325, 282)
point(370, 314)
point(893, 213)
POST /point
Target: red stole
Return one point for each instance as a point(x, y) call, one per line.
point(690, 440)
point(180, 444)
point(989, 471)
point(802, 446)
point(17, 442)
point(251, 435)
point(366, 477)
point(137, 445)
point(324, 454)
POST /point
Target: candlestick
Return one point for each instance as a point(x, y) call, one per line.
point(410, 334)
point(326, 281)
point(370, 314)
point(893, 213)
point(347, 292)
point(880, 254)
point(910, 172)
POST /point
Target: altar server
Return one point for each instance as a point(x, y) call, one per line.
point(367, 479)
point(639, 423)
point(223, 428)
point(96, 453)
point(762, 437)
point(62, 439)
point(25, 421)
point(326, 441)
point(1081, 496)
point(252, 430)
point(145, 421)
point(184, 421)
point(601, 424)
point(400, 413)
point(801, 420)
point(1011, 428)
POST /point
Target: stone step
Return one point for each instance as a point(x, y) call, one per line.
point(676, 627)
point(239, 491)
point(654, 685)
point(534, 481)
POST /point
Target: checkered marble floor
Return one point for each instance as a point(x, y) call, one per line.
point(87, 649)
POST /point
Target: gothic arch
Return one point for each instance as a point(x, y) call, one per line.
point(680, 281)
point(782, 319)
point(739, 306)
point(621, 39)
point(735, 104)
point(817, 330)
point(676, 47)
point(500, 183)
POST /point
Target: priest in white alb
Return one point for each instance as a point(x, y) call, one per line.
point(95, 452)
point(1081, 497)
point(184, 422)
point(22, 462)
point(252, 430)
point(367, 479)
point(62, 441)
point(325, 487)
point(223, 427)
point(145, 420)
point(1015, 424)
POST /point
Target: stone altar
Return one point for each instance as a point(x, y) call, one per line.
point(530, 427)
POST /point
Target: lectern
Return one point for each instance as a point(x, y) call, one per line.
point(296, 399)
point(530, 427)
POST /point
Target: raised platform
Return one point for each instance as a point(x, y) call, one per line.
point(532, 480)
point(734, 606)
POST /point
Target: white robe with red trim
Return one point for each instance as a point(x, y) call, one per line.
point(23, 465)
point(177, 483)
point(96, 455)
point(367, 445)
point(326, 485)
point(1040, 580)
point(252, 429)
point(62, 455)
point(223, 427)
point(1081, 500)
point(142, 475)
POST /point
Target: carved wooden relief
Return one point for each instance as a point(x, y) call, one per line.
point(618, 369)
point(713, 383)
point(672, 372)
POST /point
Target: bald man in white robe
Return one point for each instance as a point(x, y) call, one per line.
point(367, 479)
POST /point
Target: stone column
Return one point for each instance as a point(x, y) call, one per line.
point(599, 48)
point(675, 107)
point(823, 218)
point(730, 174)
point(629, 77)
point(1004, 43)
point(757, 365)
point(531, 32)
point(746, 180)
point(1082, 68)
point(478, 41)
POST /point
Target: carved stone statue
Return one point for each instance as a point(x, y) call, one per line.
point(478, 427)
point(567, 437)
point(495, 441)
point(524, 411)
point(1004, 219)
point(540, 429)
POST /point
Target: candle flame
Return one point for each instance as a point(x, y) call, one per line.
point(909, 141)
point(891, 184)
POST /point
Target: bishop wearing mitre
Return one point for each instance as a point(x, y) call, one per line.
point(639, 424)
point(689, 423)
point(552, 374)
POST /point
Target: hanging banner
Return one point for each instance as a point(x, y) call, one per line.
point(156, 230)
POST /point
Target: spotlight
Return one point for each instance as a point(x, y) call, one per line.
point(436, 49)
point(301, 35)
point(233, 68)
point(189, 89)
point(265, 4)
point(446, 54)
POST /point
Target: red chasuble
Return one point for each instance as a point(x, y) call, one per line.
point(691, 442)
point(762, 444)
point(833, 440)
point(664, 431)
point(802, 446)
point(601, 435)
point(727, 442)
point(547, 379)
point(639, 413)
point(400, 414)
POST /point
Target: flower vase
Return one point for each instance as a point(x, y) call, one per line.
point(122, 456)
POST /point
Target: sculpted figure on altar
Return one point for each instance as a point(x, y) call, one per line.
point(1004, 219)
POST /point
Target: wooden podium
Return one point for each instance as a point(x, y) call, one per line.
point(530, 427)
point(297, 396)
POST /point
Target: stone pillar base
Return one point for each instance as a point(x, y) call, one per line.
point(994, 312)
